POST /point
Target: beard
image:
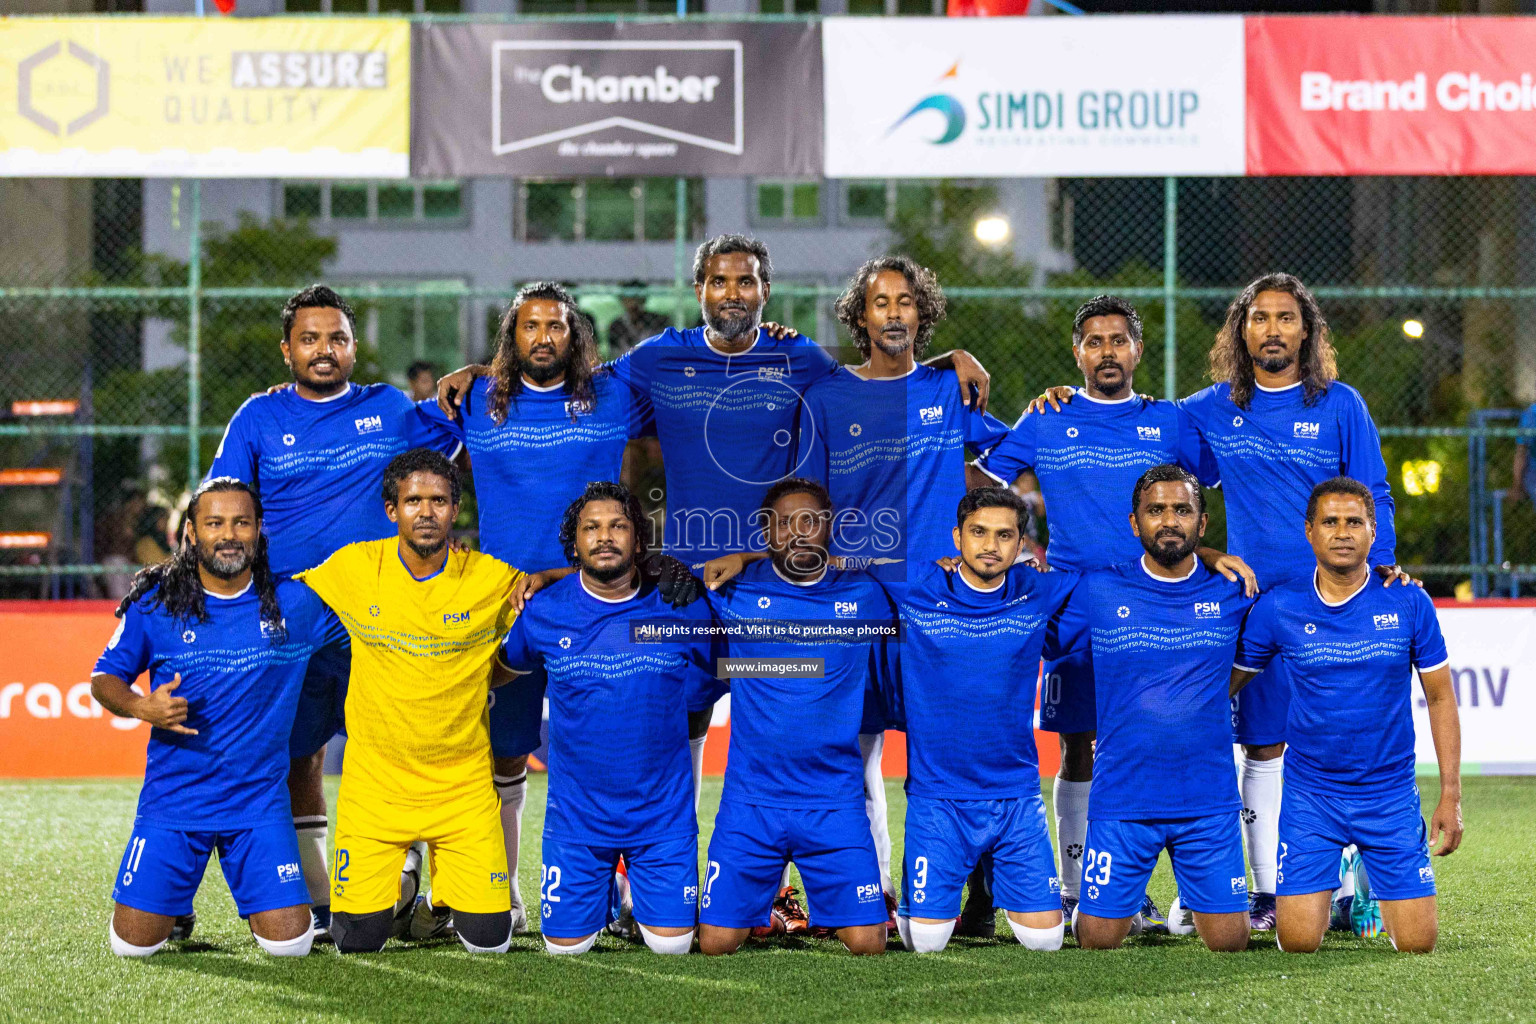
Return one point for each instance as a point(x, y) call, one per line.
point(893, 343)
point(733, 324)
point(986, 577)
point(428, 549)
point(799, 561)
point(1275, 364)
point(542, 374)
point(1168, 557)
point(1112, 388)
point(323, 387)
point(610, 573)
point(225, 566)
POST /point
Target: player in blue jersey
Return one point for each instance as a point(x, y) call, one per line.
point(794, 786)
point(538, 429)
point(888, 438)
point(1351, 649)
point(1087, 459)
point(964, 680)
point(619, 778)
point(225, 646)
point(317, 452)
point(1278, 422)
point(1163, 632)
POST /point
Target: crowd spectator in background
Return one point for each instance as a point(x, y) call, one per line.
point(421, 378)
point(637, 323)
point(1525, 460)
point(151, 535)
point(116, 531)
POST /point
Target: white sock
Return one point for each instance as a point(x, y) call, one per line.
point(1260, 786)
point(872, 745)
point(413, 861)
point(784, 878)
point(122, 948)
point(696, 752)
point(555, 949)
point(904, 929)
point(287, 947)
point(1043, 940)
point(1070, 800)
point(667, 945)
point(471, 947)
point(314, 834)
point(930, 938)
point(513, 791)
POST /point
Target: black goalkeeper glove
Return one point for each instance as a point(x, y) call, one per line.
point(677, 586)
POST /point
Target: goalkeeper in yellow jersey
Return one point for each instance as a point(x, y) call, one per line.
point(424, 621)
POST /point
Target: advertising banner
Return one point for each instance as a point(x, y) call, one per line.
point(50, 725)
point(617, 99)
point(1348, 95)
point(188, 97)
point(1033, 97)
point(1493, 667)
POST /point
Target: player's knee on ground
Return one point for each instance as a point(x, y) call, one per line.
point(1100, 932)
point(484, 933)
point(287, 931)
point(1291, 937)
point(1419, 942)
point(569, 948)
point(864, 940)
point(720, 941)
point(926, 937)
point(288, 947)
point(667, 945)
point(1042, 940)
point(120, 947)
point(1223, 933)
point(361, 933)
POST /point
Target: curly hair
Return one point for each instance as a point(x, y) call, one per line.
point(507, 366)
point(1230, 361)
point(418, 460)
point(924, 283)
point(724, 245)
point(1106, 305)
point(316, 296)
point(176, 585)
point(1167, 474)
point(603, 490)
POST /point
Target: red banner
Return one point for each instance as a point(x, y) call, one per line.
point(1374, 95)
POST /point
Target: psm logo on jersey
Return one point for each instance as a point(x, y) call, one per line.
point(930, 415)
point(1239, 885)
point(368, 424)
point(289, 872)
point(1426, 873)
point(869, 893)
point(268, 630)
point(1207, 609)
point(690, 895)
point(771, 373)
point(498, 879)
point(1055, 884)
point(455, 619)
point(845, 609)
point(1307, 431)
point(579, 407)
point(1150, 433)
point(1388, 621)
point(1123, 612)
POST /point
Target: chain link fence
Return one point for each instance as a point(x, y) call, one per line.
point(125, 356)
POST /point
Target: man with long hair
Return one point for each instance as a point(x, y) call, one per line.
point(225, 645)
point(619, 778)
point(317, 452)
point(1277, 422)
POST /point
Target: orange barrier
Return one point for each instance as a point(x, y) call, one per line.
point(50, 726)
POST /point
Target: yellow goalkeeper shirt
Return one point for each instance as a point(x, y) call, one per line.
point(421, 667)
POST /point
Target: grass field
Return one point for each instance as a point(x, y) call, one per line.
point(63, 842)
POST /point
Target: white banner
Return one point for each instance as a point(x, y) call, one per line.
point(1493, 665)
point(1031, 97)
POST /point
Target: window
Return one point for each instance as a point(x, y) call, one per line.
point(403, 330)
point(886, 201)
point(373, 6)
point(606, 210)
point(374, 202)
point(788, 202)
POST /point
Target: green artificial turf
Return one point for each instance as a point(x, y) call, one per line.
point(63, 841)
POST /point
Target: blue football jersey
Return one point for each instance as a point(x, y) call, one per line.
point(727, 426)
point(891, 453)
point(241, 688)
point(529, 467)
point(964, 676)
point(1088, 458)
point(619, 765)
point(1162, 663)
point(1273, 453)
point(795, 742)
point(319, 466)
point(1350, 729)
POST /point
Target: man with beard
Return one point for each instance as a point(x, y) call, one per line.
point(1087, 459)
point(225, 646)
point(963, 677)
point(888, 438)
point(794, 786)
point(317, 451)
point(726, 403)
point(619, 778)
point(1352, 649)
point(1163, 632)
point(424, 622)
point(1277, 423)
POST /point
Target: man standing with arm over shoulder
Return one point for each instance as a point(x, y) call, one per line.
point(1350, 650)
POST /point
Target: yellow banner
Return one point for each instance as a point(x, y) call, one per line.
point(194, 97)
